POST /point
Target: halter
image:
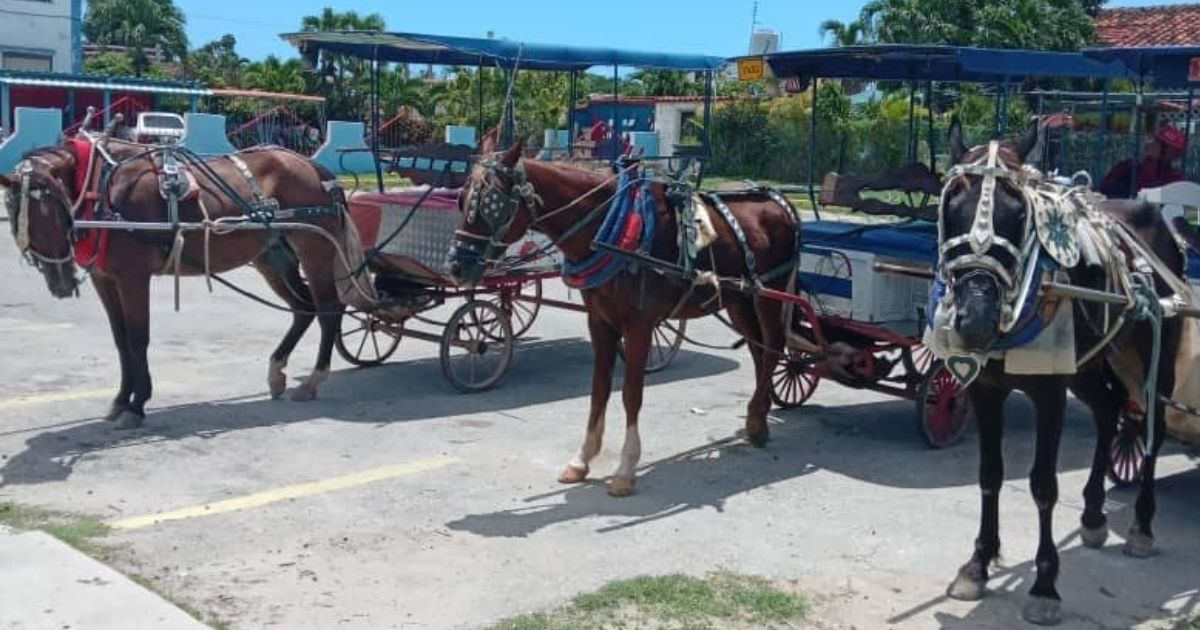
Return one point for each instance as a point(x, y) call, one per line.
point(22, 224)
point(497, 209)
point(1017, 276)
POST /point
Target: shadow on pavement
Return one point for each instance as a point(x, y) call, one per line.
point(403, 391)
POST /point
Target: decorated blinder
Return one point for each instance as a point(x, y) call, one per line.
point(496, 208)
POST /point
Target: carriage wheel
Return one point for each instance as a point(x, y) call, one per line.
point(521, 311)
point(943, 408)
point(794, 380)
point(1127, 453)
point(477, 346)
point(365, 340)
point(665, 342)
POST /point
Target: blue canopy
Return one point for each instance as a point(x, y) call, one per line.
point(1163, 66)
point(469, 51)
point(903, 62)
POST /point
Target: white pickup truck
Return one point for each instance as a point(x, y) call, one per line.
point(155, 128)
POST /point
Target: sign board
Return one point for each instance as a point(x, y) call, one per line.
point(751, 69)
point(1193, 70)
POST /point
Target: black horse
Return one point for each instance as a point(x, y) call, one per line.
point(979, 280)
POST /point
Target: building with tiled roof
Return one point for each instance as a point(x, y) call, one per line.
point(1167, 25)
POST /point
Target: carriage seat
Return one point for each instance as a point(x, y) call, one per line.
point(916, 181)
point(442, 164)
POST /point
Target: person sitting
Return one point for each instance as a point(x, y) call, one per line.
point(1156, 169)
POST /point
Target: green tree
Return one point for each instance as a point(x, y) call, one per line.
point(275, 75)
point(667, 83)
point(110, 64)
point(216, 63)
point(345, 81)
point(843, 34)
point(1028, 24)
point(139, 25)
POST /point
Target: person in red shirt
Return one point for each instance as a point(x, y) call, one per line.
point(1156, 169)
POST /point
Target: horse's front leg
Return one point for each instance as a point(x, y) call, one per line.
point(638, 336)
point(1044, 607)
point(1140, 541)
point(110, 298)
point(135, 307)
point(746, 318)
point(1105, 396)
point(988, 402)
point(604, 355)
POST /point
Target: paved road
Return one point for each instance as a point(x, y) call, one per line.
point(395, 502)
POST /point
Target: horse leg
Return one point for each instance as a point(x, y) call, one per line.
point(135, 306)
point(604, 355)
point(110, 298)
point(770, 326)
point(638, 336)
point(1105, 396)
point(316, 258)
point(988, 402)
point(1140, 541)
point(283, 276)
point(743, 315)
point(1044, 607)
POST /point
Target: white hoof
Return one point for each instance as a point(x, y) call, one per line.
point(304, 393)
point(965, 588)
point(1094, 538)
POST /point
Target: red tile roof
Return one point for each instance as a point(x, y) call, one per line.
point(1172, 25)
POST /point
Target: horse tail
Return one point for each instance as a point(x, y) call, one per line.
point(350, 268)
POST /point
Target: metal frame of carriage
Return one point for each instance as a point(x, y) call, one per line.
point(886, 360)
point(504, 306)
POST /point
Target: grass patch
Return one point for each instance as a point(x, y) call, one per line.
point(366, 181)
point(77, 530)
point(718, 600)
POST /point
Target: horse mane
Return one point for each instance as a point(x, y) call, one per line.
point(1008, 156)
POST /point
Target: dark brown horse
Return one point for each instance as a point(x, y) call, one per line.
point(56, 186)
point(976, 290)
point(567, 204)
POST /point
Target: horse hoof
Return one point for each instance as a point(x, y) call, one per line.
point(304, 393)
point(277, 386)
point(129, 420)
point(965, 588)
point(572, 475)
point(1094, 538)
point(114, 413)
point(760, 439)
point(1042, 611)
point(621, 486)
point(1138, 545)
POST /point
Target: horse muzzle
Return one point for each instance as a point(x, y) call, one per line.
point(466, 262)
point(61, 279)
point(977, 306)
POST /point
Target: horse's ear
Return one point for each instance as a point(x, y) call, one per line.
point(513, 154)
point(1029, 141)
point(958, 148)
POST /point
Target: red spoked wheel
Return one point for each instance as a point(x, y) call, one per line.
point(521, 300)
point(1127, 454)
point(943, 408)
point(794, 379)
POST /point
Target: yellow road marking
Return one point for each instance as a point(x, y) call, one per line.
point(28, 400)
point(267, 497)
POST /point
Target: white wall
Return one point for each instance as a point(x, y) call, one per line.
point(666, 123)
point(37, 27)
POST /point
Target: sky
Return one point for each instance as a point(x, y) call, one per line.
point(714, 27)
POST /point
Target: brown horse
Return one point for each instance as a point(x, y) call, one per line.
point(979, 283)
point(567, 204)
point(56, 186)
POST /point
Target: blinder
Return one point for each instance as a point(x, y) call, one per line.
point(31, 190)
point(495, 207)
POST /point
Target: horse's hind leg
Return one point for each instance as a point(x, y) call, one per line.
point(1044, 607)
point(1140, 541)
point(604, 355)
point(1105, 396)
point(282, 273)
point(317, 259)
point(988, 403)
point(743, 315)
point(638, 336)
point(110, 298)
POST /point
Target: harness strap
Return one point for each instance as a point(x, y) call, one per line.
point(748, 255)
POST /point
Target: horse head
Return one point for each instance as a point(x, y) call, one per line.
point(495, 206)
point(38, 199)
point(984, 223)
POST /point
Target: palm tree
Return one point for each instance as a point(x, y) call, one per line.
point(843, 34)
point(138, 25)
point(275, 75)
point(348, 78)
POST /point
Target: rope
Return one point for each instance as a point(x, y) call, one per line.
point(1148, 308)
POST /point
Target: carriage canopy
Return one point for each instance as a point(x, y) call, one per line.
point(470, 51)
